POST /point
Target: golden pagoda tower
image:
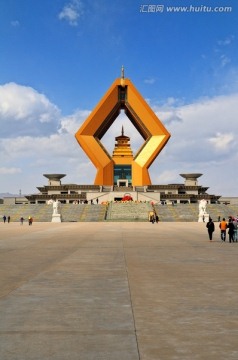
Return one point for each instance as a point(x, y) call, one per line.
point(122, 148)
point(122, 158)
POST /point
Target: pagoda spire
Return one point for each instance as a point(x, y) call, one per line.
point(122, 72)
point(122, 76)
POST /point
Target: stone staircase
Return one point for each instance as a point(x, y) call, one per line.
point(128, 211)
point(178, 212)
point(93, 213)
point(71, 212)
point(222, 210)
point(43, 212)
point(83, 212)
point(189, 212)
point(39, 212)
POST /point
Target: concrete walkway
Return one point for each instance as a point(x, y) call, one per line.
point(117, 291)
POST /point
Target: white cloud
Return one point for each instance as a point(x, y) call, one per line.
point(224, 60)
point(202, 141)
point(150, 81)
point(45, 147)
point(222, 142)
point(171, 101)
point(166, 177)
point(227, 41)
point(169, 111)
point(15, 23)
point(71, 12)
point(7, 171)
point(24, 111)
point(70, 124)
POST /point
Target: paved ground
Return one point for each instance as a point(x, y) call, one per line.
point(117, 291)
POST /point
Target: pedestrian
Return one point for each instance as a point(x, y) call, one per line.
point(156, 218)
point(4, 218)
point(8, 219)
point(235, 229)
point(210, 228)
point(30, 220)
point(151, 217)
point(97, 200)
point(231, 230)
point(223, 227)
point(21, 220)
point(219, 218)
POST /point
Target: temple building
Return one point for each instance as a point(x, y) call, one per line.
point(122, 156)
point(122, 173)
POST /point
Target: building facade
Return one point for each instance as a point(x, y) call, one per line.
point(188, 192)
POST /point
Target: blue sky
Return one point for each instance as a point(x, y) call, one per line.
point(58, 58)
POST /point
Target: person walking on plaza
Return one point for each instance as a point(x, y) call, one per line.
point(152, 217)
point(223, 227)
point(231, 230)
point(210, 228)
point(8, 219)
point(235, 229)
point(21, 220)
point(4, 218)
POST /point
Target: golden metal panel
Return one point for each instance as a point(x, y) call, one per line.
point(148, 151)
point(145, 121)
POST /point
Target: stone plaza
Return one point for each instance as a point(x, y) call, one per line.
point(131, 291)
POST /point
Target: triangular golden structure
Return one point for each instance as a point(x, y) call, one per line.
point(122, 95)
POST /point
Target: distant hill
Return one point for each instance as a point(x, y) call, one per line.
point(2, 195)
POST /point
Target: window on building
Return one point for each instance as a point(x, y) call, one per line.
point(122, 172)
